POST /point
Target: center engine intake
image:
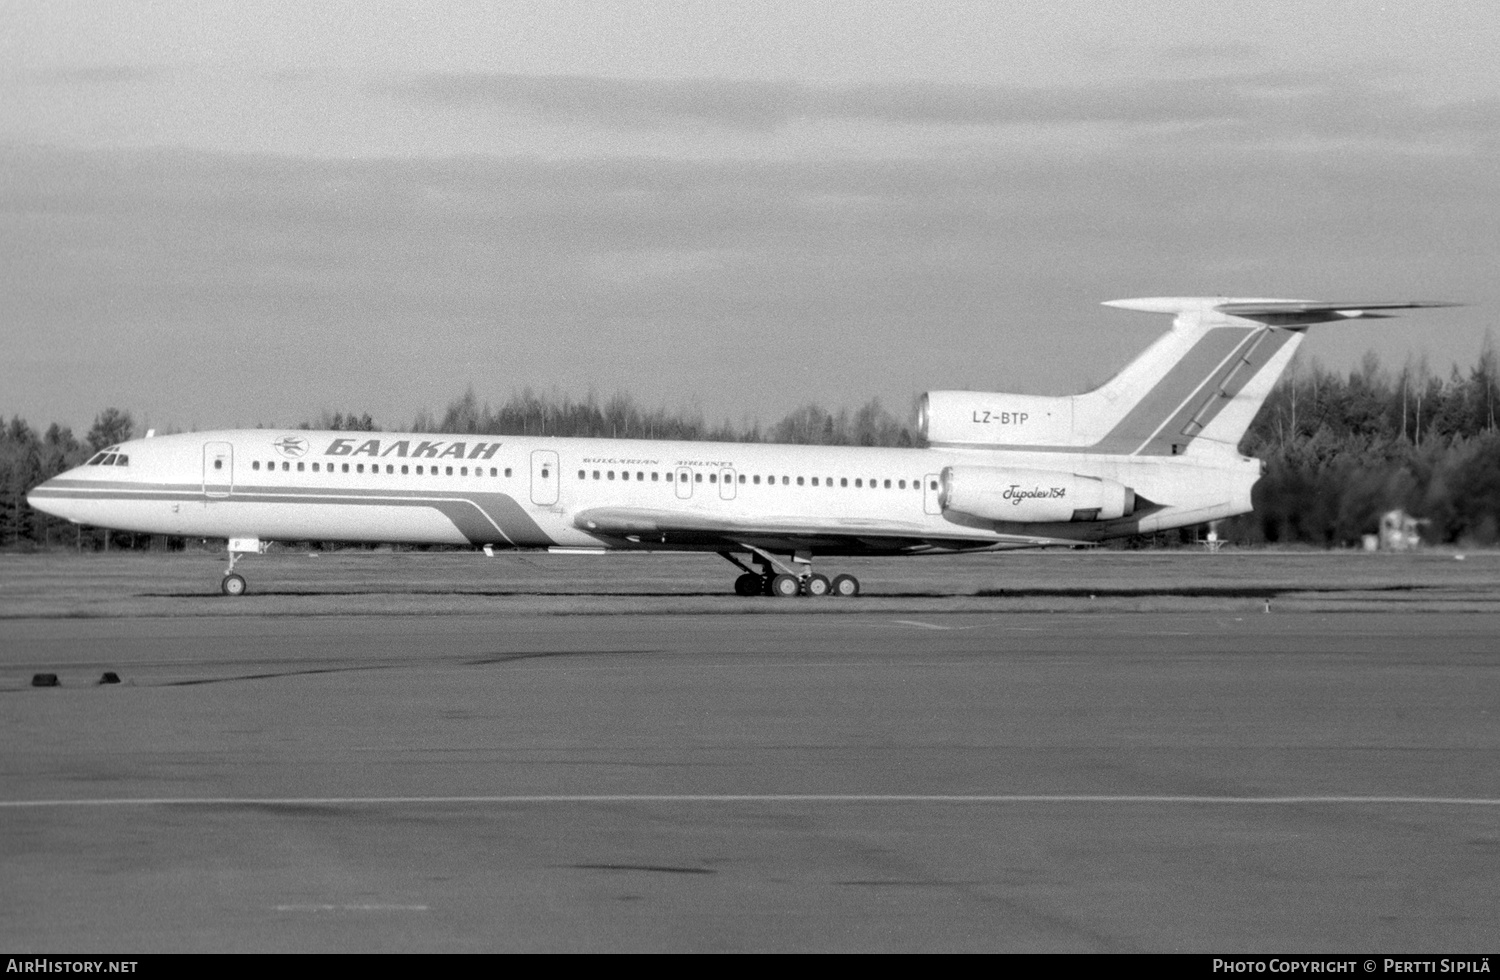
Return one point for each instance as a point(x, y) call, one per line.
point(1032, 496)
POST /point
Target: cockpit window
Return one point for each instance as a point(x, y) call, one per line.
point(108, 456)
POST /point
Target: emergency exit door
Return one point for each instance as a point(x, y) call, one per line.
point(544, 477)
point(932, 493)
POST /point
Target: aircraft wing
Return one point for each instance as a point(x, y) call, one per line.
point(647, 525)
point(1308, 309)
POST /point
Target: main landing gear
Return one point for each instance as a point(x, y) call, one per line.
point(792, 581)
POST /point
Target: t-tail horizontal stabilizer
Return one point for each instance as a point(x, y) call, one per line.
point(1272, 312)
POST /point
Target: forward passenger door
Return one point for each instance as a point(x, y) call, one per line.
point(218, 469)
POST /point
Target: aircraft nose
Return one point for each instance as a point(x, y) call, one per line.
point(44, 497)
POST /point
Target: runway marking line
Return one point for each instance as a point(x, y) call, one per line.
point(351, 908)
point(758, 798)
point(934, 626)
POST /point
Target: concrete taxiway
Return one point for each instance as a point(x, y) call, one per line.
point(1207, 779)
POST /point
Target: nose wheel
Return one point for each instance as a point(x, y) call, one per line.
point(233, 585)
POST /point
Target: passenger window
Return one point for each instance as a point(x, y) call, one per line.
point(713, 478)
point(316, 468)
point(742, 478)
point(887, 484)
point(448, 471)
point(286, 467)
point(596, 474)
point(655, 476)
point(256, 465)
point(859, 483)
point(611, 474)
point(757, 481)
point(582, 474)
point(934, 484)
point(799, 481)
point(843, 481)
point(639, 476)
point(463, 471)
point(359, 468)
point(346, 467)
point(404, 469)
point(697, 477)
point(218, 464)
point(814, 481)
point(902, 486)
point(507, 471)
point(624, 474)
point(669, 478)
point(494, 472)
point(301, 467)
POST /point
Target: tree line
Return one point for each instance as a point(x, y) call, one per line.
point(1340, 449)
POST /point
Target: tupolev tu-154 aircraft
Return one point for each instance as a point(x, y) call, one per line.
point(1154, 448)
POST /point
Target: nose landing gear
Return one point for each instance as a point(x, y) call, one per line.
point(234, 584)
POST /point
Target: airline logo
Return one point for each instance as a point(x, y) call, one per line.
point(412, 448)
point(292, 447)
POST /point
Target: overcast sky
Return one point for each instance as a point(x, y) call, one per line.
point(229, 213)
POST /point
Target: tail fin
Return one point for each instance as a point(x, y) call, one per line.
point(1197, 389)
point(1194, 391)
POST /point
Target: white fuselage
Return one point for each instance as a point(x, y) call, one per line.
point(515, 491)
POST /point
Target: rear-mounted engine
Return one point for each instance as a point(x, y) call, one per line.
point(1032, 496)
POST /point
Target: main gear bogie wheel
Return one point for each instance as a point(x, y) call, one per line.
point(785, 586)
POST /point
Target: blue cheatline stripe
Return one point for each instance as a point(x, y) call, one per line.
point(483, 518)
point(1190, 375)
point(1209, 400)
point(767, 798)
